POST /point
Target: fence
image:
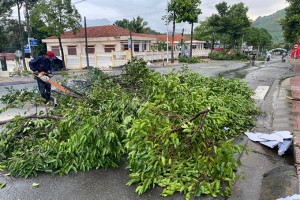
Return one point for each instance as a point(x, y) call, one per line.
point(112, 59)
point(116, 59)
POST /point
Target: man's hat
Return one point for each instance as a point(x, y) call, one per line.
point(50, 54)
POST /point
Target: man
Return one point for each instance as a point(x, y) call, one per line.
point(283, 56)
point(42, 64)
point(268, 56)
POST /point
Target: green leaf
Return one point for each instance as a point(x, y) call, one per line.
point(2, 185)
point(35, 185)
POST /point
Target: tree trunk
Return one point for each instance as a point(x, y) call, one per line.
point(191, 49)
point(213, 42)
point(62, 53)
point(19, 5)
point(172, 50)
point(221, 41)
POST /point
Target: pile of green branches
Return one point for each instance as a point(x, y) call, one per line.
point(173, 127)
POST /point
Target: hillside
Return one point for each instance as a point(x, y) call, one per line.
point(273, 27)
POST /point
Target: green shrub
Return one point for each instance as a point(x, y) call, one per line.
point(190, 60)
point(224, 56)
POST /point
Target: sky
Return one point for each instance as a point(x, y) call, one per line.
point(104, 12)
point(153, 10)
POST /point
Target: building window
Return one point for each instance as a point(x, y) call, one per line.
point(91, 49)
point(72, 50)
point(136, 47)
point(109, 48)
point(125, 47)
point(55, 50)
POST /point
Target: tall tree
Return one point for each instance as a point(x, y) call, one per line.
point(238, 21)
point(291, 23)
point(174, 8)
point(19, 4)
point(189, 13)
point(57, 16)
point(222, 16)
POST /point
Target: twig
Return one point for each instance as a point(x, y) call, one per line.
point(179, 127)
point(33, 117)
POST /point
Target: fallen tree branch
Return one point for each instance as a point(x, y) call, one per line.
point(33, 117)
point(179, 127)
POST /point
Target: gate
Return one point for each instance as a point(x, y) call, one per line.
point(3, 64)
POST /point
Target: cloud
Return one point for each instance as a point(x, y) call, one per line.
point(153, 10)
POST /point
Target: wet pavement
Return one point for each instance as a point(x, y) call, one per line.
point(110, 184)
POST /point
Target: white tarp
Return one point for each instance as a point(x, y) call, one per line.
point(282, 139)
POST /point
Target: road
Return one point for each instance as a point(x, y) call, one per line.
point(111, 184)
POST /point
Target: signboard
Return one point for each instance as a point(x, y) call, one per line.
point(27, 49)
point(296, 46)
point(129, 43)
point(32, 42)
point(18, 53)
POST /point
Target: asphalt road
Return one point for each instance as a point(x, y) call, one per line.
point(110, 184)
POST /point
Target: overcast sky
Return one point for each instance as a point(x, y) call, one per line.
point(108, 11)
point(152, 10)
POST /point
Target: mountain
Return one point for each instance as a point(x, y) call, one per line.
point(273, 27)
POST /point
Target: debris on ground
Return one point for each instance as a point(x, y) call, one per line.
point(282, 139)
point(294, 197)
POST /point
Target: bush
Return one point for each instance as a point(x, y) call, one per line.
point(224, 56)
point(190, 60)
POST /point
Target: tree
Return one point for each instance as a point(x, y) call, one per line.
point(124, 23)
point(57, 16)
point(19, 4)
point(257, 37)
point(174, 8)
point(291, 23)
point(238, 22)
point(222, 18)
point(137, 25)
point(189, 13)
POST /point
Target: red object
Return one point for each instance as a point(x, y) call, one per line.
point(51, 54)
point(171, 42)
point(298, 52)
point(9, 56)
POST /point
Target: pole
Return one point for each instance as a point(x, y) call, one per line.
point(86, 44)
point(131, 47)
point(167, 35)
point(182, 53)
point(167, 42)
point(28, 27)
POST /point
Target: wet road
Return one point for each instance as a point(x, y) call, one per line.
point(111, 184)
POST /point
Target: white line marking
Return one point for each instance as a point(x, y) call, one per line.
point(260, 92)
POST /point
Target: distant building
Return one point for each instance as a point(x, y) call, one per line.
point(109, 38)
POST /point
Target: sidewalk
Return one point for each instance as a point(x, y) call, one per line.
point(295, 88)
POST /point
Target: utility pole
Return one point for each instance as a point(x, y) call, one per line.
point(167, 34)
point(131, 48)
point(28, 28)
point(19, 6)
point(86, 45)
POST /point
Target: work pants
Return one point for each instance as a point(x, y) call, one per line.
point(45, 90)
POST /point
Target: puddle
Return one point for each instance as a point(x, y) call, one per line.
point(243, 71)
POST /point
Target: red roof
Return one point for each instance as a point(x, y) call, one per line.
point(114, 31)
point(96, 31)
point(9, 56)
